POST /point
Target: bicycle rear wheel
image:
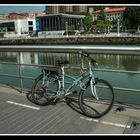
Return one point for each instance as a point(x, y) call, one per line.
point(44, 93)
point(93, 107)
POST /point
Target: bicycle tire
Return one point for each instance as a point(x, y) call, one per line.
point(92, 107)
point(44, 96)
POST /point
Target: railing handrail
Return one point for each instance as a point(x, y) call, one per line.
point(106, 49)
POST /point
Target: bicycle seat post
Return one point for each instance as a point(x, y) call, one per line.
point(63, 72)
point(61, 64)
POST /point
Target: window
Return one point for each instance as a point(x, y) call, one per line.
point(30, 28)
point(10, 26)
point(30, 22)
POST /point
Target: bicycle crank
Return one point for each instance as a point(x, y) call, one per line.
point(61, 93)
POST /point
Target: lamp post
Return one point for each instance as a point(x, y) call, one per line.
point(78, 32)
point(59, 24)
point(118, 27)
point(78, 26)
point(66, 29)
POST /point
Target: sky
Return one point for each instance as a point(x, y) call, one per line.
point(20, 9)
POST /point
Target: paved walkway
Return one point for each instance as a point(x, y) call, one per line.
point(20, 116)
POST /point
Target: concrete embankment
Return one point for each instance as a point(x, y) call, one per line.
point(71, 40)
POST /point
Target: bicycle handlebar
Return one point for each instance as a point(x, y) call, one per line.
point(83, 53)
point(87, 55)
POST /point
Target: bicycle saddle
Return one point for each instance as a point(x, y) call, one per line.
point(48, 70)
point(62, 63)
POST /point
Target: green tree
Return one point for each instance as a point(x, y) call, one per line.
point(131, 18)
point(88, 21)
point(99, 26)
point(113, 25)
point(101, 15)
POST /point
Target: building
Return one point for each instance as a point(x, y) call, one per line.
point(110, 13)
point(18, 27)
point(66, 9)
point(3, 17)
point(14, 15)
point(90, 10)
point(80, 9)
point(58, 22)
point(52, 9)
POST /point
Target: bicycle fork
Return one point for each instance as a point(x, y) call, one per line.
point(93, 88)
point(92, 85)
point(45, 76)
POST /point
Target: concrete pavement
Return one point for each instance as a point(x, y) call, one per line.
point(20, 116)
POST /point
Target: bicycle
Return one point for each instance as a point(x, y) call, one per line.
point(96, 96)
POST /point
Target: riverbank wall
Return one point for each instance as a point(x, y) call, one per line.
point(70, 40)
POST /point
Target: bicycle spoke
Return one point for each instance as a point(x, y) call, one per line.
point(93, 107)
point(44, 94)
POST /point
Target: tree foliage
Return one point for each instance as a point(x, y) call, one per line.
point(100, 25)
point(101, 15)
point(131, 17)
point(88, 21)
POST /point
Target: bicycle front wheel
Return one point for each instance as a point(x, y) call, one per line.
point(44, 91)
point(96, 106)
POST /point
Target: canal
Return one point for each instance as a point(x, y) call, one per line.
point(105, 61)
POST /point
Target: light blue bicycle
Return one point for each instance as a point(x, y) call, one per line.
point(96, 96)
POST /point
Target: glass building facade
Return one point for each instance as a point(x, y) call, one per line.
point(58, 22)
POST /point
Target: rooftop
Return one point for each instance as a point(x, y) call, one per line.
point(111, 10)
point(63, 15)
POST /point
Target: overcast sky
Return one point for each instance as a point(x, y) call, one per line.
point(20, 9)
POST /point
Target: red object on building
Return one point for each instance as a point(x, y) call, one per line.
point(111, 10)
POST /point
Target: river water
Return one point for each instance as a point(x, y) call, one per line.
point(105, 61)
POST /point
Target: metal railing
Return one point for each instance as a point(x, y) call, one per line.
point(122, 35)
point(69, 49)
point(105, 49)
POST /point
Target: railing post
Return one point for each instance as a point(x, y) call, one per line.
point(81, 63)
point(20, 71)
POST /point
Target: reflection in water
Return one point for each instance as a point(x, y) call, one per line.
point(8, 57)
point(50, 58)
point(131, 63)
point(115, 62)
point(106, 61)
point(123, 62)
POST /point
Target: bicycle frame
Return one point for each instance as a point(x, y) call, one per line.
point(75, 81)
